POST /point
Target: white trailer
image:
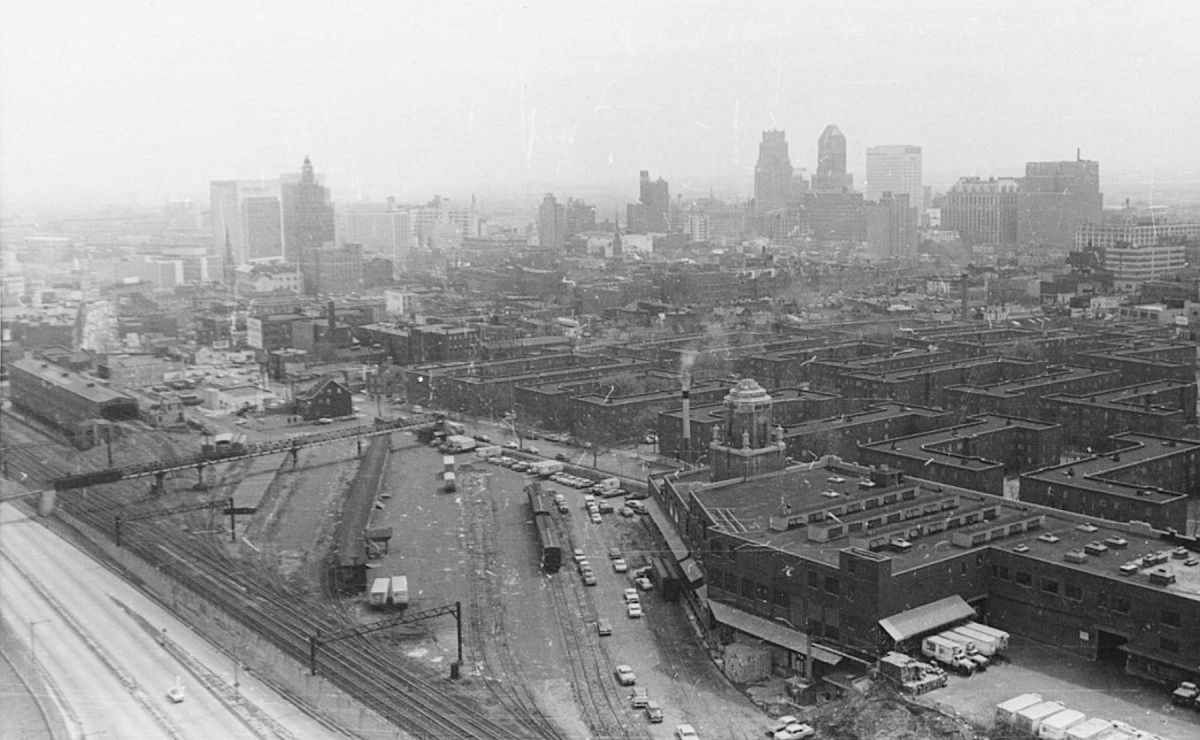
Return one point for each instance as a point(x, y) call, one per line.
point(1056, 725)
point(398, 591)
point(973, 654)
point(1000, 635)
point(1006, 711)
point(1089, 729)
point(1029, 720)
point(485, 451)
point(985, 644)
point(546, 468)
point(379, 591)
point(456, 443)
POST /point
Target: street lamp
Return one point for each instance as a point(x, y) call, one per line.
point(32, 637)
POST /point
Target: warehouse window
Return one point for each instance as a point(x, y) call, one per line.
point(832, 586)
point(1169, 645)
point(1169, 618)
point(1024, 579)
point(1050, 585)
point(1120, 604)
point(1073, 592)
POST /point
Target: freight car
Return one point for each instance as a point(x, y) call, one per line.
point(549, 545)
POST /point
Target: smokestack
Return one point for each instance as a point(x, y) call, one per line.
point(964, 298)
point(687, 410)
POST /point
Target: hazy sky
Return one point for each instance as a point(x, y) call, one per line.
point(150, 101)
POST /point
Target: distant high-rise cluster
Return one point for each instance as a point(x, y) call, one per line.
point(558, 222)
point(896, 170)
point(831, 174)
point(773, 174)
point(1047, 206)
point(652, 212)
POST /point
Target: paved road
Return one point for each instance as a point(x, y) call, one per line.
point(111, 675)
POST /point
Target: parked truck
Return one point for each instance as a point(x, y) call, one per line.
point(973, 653)
point(950, 654)
point(397, 590)
point(456, 443)
point(483, 452)
point(449, 482)
point(448, 463)
point(1056, 725)
point(1029, 720)
point(546, 468)
point(984, 643)
point(608, 487)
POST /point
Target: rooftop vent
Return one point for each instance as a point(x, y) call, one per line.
point(1117, 543)
point(1129, 569)
point(900, 545)
point(1095, 548)
point(1087, 528)
point(1051, 538)
point(1179, 553)
point(1075, 556)
point(1162, 577)
point(1021, 548)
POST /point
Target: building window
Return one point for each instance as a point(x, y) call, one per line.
point(1004, 574)
point(781, 599)
point(832, 586)
point(747, 588)
point(1024, 579)
point(1169, 618)
point(1049, 585)
point(814, 581)
point(1169, 645)
point(1120, 604)
point(1073, 592)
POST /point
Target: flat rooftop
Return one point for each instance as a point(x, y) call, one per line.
point(1128, 398)
point(925, 447)
point(872, 413)
point(1050, 377)
point(744, 508)
point(84, 387)
point(1098, 472)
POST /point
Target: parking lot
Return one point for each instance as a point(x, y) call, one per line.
point(484, 531)
point(1096, 689)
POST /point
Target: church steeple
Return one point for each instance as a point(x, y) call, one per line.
point(306, 172)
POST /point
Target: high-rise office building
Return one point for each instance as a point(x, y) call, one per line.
point(580, 217)
point(892, 226)
point(831, 176)
point(552, 223)
point(1056, 199)
point(983, 211)
point(308, 222)
point(655, 198)
point(246, 219)
point(895, 169)
point(773, 174)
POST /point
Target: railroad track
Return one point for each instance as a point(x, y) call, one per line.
point(603, 704)
point(506, 682)
point(411, 697)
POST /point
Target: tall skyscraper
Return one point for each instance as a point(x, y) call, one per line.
point(831, 176)
point(892, 226)
point(655, 198)
point(895, 169)
point(308, 223)
point(246, 218)
point(983, 211)
point(552, 223)
point(1056, 199)
point(773, 174)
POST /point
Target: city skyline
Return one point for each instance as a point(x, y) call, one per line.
point(483, 98)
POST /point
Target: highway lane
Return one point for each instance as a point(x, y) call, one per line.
point(112, 674)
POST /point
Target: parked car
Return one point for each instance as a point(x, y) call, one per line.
point(597, 519)
point(634, 610)
point(589, 578)
point(644, 583)
point(625, 675)
point(631, 594)
point(795, 731)
point(654, 712)
point(614, 553)
point(579, 554)
point(620, 566)
point(604, 628)
point(639, 698)
point(686, 732)
point(626, 511)
point(781, 723)
point(560, 457)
